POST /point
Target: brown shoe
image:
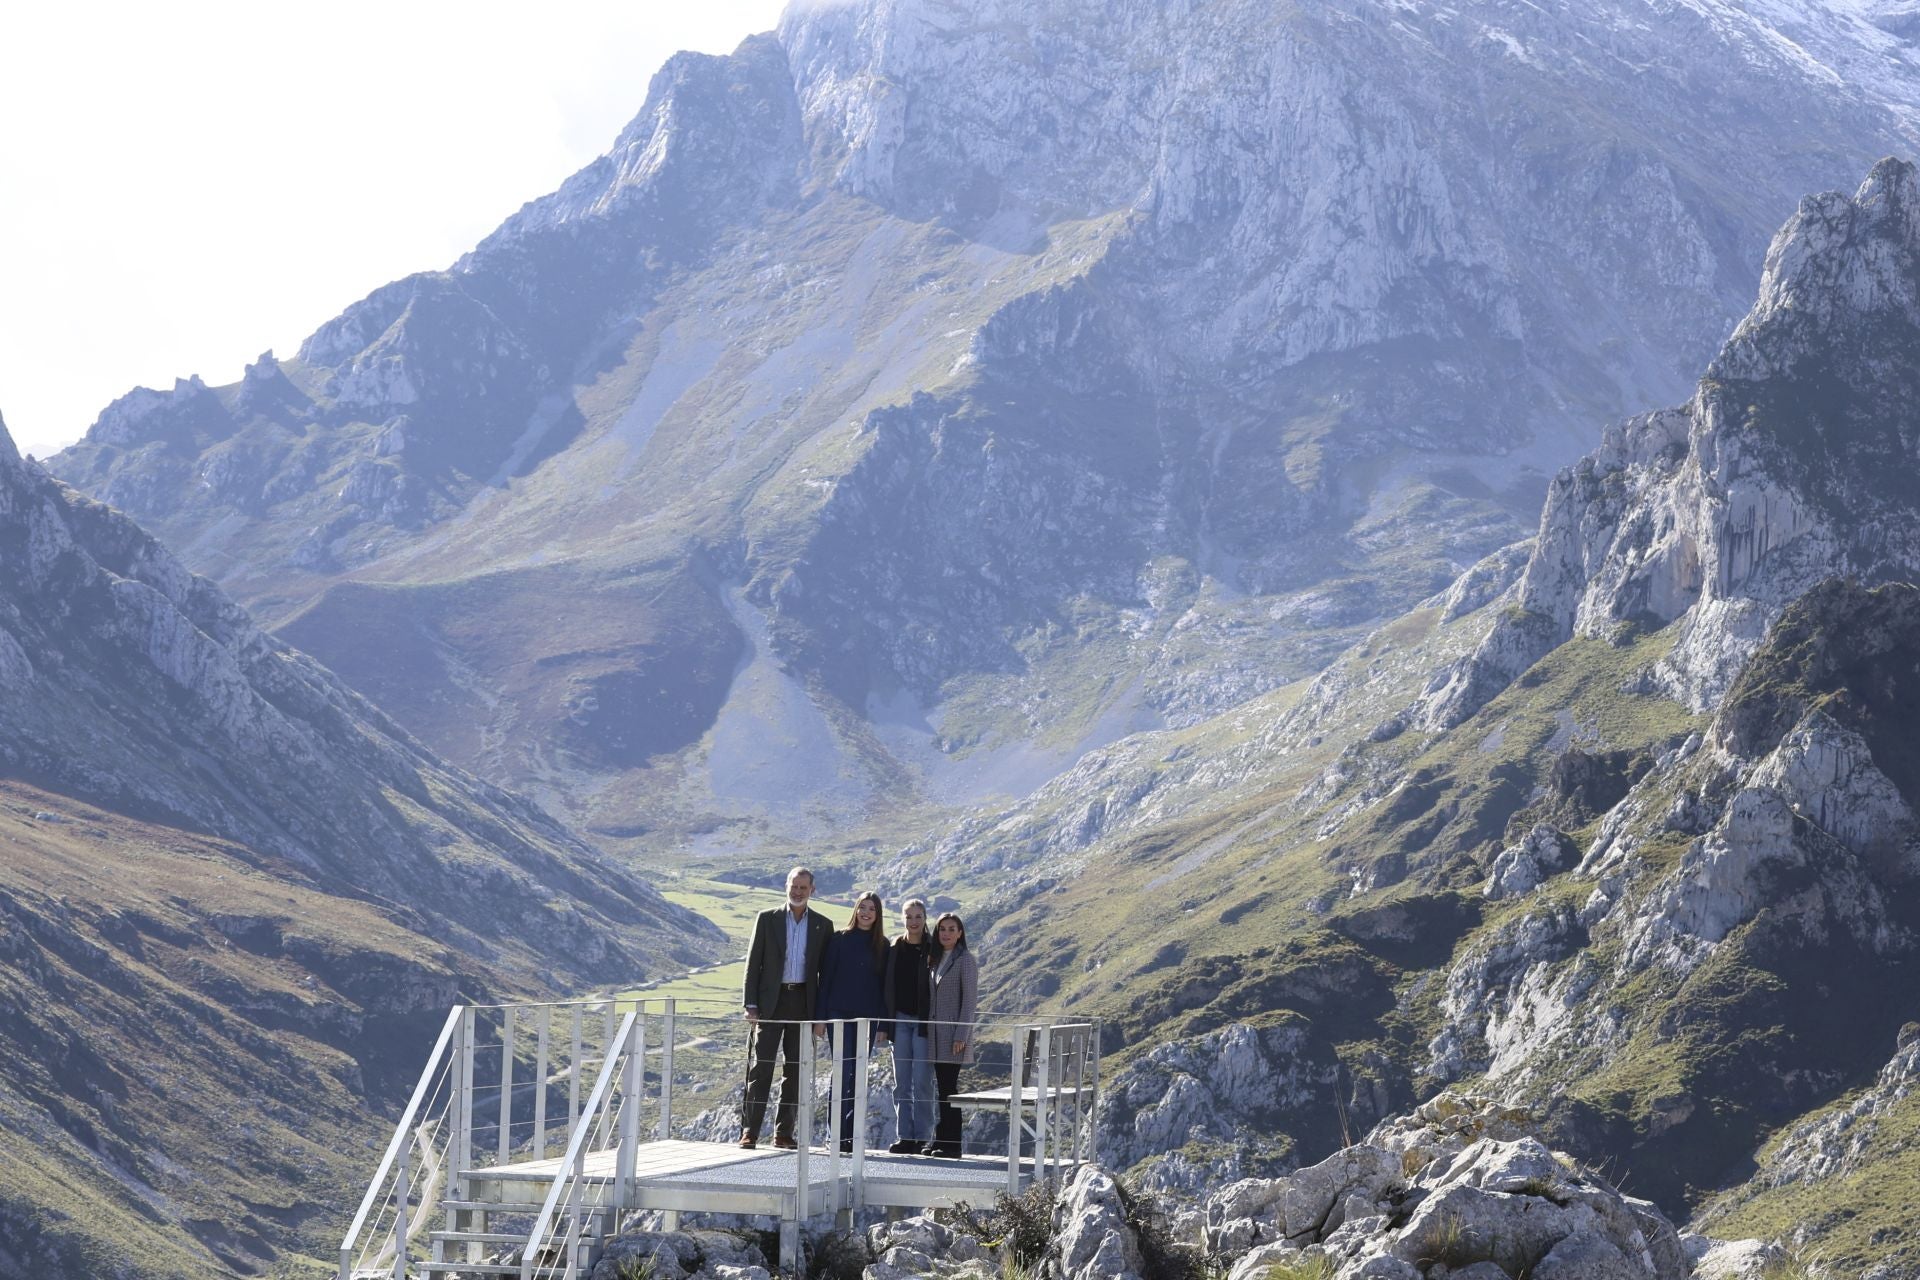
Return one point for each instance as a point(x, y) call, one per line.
point(785, 1143)
point(749, 1139)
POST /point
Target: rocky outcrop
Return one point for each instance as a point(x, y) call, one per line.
point(1773, 477)
point(1221, 1095)
point(1519, 869)
point(1085, 1232)
point(1836, 1144)
point(683, 1255)
point(1461, 1187)
point(1860, 1140)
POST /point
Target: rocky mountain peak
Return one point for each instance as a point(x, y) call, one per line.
point(1841, 262)
point(899, 335)
point(716, 135)
point(1796, 459)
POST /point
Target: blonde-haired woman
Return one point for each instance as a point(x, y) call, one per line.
point(909, 984)
point(956, 989)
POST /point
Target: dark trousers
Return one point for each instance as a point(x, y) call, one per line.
point(946, 1079)
point(849, 1032)
point(778, 1032)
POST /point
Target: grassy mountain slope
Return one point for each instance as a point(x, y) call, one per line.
point(200, 1048)
point(235, 903)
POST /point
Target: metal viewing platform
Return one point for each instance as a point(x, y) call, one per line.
point(535, 1128)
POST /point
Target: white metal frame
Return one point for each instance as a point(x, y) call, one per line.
point(1049, 1105)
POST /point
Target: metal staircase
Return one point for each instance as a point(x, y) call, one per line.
point(470, 1183)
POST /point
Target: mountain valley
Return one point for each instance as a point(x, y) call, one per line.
point(1185, 482)
point(1096, 382)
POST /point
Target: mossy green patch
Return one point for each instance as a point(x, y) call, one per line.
point(1859, 1217)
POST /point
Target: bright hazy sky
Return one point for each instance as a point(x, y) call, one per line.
point(186, 184)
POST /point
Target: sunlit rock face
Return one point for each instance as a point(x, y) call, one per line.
point(1790, 464)
point(957, 387)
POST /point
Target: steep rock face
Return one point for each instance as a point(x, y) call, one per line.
point(986, 381)
point(1228, 1091)
point(1349, 229)
point(1785, 468)
point(1724, 896)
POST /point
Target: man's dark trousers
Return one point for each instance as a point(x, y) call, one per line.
point(779, 1034)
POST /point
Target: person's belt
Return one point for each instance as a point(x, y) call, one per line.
point(793, 986)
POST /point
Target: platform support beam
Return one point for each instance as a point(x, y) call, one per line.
point(666, 1072)
point(632, 1076)
point(506, 1083)
point(857, 1174)
point(540, 1073)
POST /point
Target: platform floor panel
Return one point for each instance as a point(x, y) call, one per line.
point(659, 1158)
point(967, 1170)
point(680, 1174)
point(773, 1169)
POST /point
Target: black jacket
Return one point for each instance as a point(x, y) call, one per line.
point(915, 957)
point(767, 959)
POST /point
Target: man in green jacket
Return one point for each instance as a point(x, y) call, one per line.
point(783, 977)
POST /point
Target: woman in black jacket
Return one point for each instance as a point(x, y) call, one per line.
point(909, 984)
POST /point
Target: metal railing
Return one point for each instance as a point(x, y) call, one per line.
point(553, 1246)
point(501, 1096)
point(501, 1085)
point(392, 1187)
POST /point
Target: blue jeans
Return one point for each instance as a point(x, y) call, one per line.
point(913, 1081)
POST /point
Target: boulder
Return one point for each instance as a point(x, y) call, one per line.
point(1094, 1240)
point(1461, 1188)
point(1734, 1259)
point(1519, 868)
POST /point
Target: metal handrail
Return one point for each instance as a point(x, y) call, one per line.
point(401, 1132)
point(1053, 1061)
point(573, 1164)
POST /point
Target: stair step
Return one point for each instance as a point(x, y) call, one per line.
point(480, 1237)
point(480, 1268)
point(491, 1206)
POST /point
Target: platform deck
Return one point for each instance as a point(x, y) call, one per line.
point(709, 1176)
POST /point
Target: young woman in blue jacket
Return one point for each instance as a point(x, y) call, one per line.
point(852, 985)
